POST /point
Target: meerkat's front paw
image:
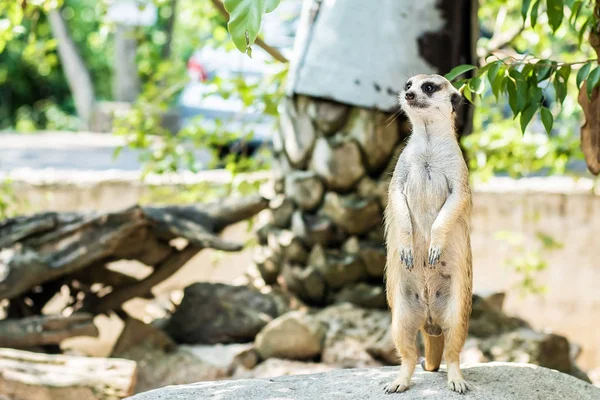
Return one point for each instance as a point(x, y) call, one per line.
point(406, 257)
point(397, 386)
point(458, 385)
point(435, 253)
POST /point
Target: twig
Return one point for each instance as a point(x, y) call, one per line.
point(162, 271)
point(273, 52)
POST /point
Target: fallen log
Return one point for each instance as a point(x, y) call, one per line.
point(34, 376)
point(42, 248)
point(45, 330)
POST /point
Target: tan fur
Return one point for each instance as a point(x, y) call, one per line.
point(429, 268)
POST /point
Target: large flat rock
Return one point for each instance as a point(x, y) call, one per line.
point(491, 381)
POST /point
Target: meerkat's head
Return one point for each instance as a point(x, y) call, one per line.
point(429, 97)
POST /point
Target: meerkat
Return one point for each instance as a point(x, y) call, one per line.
point(427, 222)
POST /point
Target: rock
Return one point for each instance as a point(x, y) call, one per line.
point(486, 320)
point(383, 349)
point(377, 235)
point(595, 376)
point(373, 257)
point(158, 368)
point(354, 214)
point(493, 299)
point(218, 355)
point(316, 229)
point(268, 264)
point(135, 332)
point(329, 117)
point(376, 134)
point(279, 367)
point(306, 282)
point(526, 345)
point(288, 245)
point(218, 313)
point(246, 359)
point(491, 381)
point(297, 132)
point(351, 331)
point(337, 269)
point(338, 162)
point(294, 335)
point(305, 189)
point(363, 295)
point(281, 209)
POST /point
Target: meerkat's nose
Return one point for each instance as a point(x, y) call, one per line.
point(409, 96)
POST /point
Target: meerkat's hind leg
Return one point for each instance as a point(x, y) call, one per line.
point(454, 341)
point(405, 326)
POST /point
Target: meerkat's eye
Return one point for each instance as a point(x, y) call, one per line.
point(428, 87)
point(408, 85)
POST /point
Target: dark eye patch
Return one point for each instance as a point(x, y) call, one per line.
point(429, 87)
point(408, 85)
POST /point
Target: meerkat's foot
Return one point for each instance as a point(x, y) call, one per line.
point(456, 382)
point(397, 386)
point(407, 258)
point(435, 253)
point(460, 385)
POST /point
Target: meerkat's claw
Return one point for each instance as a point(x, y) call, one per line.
point(395, 387)
point(435, 253)
point(458, 385)
point(407, 258)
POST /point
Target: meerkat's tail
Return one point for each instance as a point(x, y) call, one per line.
point(434, 348)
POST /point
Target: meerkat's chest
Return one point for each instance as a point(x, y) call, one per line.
point(427, 185)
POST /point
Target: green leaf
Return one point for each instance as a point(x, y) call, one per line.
point(555, 10)
point(476, 85)
point(547, 119)
point(565, 72)
point(468, 94)
point(511, 88)
point(575, 11)
point(493, 71)
point(544, 68)
point(583, 73)
point(524, 8)
point(560, 82)
point(583, 30)
point(271, 5)
point(497, 85)
point(517, 91)
point(534, 13)
point(459, 70)
point(245, 17)
point(593, 80)
point(527, 115)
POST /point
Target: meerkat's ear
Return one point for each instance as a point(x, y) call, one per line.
point(455, 99)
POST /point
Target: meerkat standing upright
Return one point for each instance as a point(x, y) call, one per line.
point(429, 269)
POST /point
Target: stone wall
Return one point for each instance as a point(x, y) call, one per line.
point(566, 210)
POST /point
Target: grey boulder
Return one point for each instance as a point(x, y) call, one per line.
point(491, 381)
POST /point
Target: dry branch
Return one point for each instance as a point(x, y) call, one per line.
point(45, 329)
point(35, 376)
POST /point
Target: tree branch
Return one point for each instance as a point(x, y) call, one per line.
point(273, 52)
point(161, 272)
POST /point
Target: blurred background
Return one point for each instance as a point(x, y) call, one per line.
point(107, 104)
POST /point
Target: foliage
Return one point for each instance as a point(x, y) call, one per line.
point(245, 19)
point(37, 94)
point(532, 83)
point(7, 199)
